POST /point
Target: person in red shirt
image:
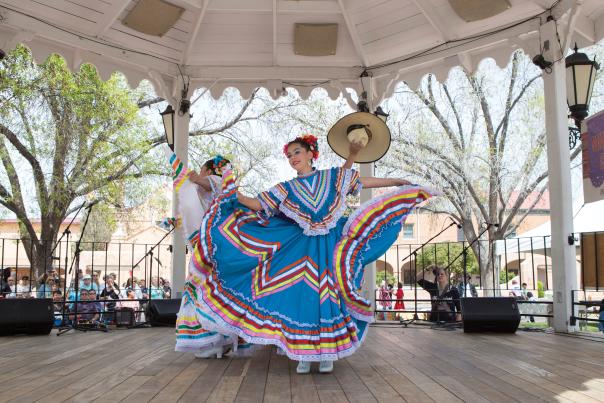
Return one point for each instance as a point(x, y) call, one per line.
point(400, 304)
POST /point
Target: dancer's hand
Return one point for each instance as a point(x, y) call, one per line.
point(403, 182)
point(353, 151)
point(354, 148)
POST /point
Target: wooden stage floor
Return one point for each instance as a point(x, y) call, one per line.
point(394, 365)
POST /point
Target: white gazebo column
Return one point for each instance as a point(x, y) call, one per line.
point(179, 257)
point(558, 161)
point(369, 277)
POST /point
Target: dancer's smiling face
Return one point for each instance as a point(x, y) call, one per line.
point(299, 158)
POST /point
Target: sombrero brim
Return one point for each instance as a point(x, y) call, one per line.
point(337, 137)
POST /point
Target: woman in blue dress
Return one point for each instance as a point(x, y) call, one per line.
point(285, 268)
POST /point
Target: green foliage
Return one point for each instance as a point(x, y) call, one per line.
point(101, 225)
point(66, 137)
point(382, 275)
point(540, 290)
point(85, 132)
point(445, 254)
point(505, 279)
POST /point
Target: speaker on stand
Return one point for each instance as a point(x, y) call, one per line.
point(490, 314)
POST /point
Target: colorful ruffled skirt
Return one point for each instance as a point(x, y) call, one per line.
point(269, 283)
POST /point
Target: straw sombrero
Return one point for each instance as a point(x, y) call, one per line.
point(361, 126)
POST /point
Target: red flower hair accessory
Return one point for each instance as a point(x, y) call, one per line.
point(311, 141)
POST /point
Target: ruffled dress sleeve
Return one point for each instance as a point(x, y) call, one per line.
point(352, 181)
point(271, 199)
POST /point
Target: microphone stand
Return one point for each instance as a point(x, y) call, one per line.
point(149, 253)
point(414, 254)
point(76, 257)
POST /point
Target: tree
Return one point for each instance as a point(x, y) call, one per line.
point(480, 138)
point(100, 227)
point(67, 138)
point(447, 255)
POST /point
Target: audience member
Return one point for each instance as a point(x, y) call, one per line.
point(167, 289)
point(24, 288)
point(57, 299)
point(399, 304)
point(131, 303)
point(89, 309)
point(45, 283)
point(155, 291)
point(515, 290)
point(530, 297)
point(5, 288)
point(445, 299)
point(470, 289)
point(385, 296)
point(524, 292)
point(601, 317)
point(110, 293)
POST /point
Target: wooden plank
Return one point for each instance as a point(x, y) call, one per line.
point(114, 370)
point(328, 388)
point(395, 364)
point(122, 390)
point(278, 386)
point(203, 386)
point(68, 371)
point(380, 389)
point(351, 383)
point(179, 384)
point(156, 383)
point(252, 387)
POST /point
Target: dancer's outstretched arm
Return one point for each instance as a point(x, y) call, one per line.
point(371, 183)
point(353, 151)
point(202, 181)
point(250, 202)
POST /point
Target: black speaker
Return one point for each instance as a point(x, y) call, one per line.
point(26, 316)
point(124, 317)
point(498, 315)
point(162, 312)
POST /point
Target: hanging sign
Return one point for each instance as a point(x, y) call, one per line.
point(592, 138)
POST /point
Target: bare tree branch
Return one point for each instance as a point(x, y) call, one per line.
point(149, 102)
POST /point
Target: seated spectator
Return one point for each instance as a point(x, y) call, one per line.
point(142, 284)
point(87, 284)
point(515, 290)
point(24, 288)
point(88, 309)
point(12, 287)
point(131, 303)
point(524, 292)
point(133, 285)
point(155, 291)
point(601, 317)
point(57, 299)
point(445, 298)
point(470, 289)
point(5, 288)
point(167, 289)
point(109, 293)
point(530, 297)
point(45, 286)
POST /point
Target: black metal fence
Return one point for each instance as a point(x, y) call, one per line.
point(105, 283)
point(521, 267)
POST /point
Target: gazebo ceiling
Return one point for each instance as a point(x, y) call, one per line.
point(249, 43)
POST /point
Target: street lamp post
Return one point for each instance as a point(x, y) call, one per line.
point(580, 78)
